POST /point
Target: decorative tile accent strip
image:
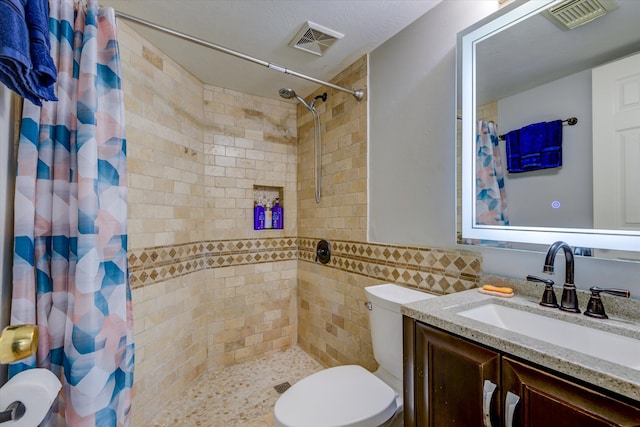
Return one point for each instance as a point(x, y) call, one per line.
point(157, 264)
point(436, 270)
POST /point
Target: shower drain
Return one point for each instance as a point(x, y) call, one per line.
point(281, 388)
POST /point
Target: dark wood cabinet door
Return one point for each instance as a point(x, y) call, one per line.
point(545, 400)
point(456, 381)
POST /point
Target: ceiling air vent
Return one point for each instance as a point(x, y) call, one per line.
point(572, 13)
point(314, 38)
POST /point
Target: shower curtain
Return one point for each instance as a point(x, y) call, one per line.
point(491, 197)
point(70, 271)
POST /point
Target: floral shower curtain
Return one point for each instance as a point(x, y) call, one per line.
point(70, 273)
point(491, 197)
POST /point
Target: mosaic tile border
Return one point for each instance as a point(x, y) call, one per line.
point(436, 270)
point(156, 264)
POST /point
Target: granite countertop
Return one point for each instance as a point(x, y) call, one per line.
point(624, 319)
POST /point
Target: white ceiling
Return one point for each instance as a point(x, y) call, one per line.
point(263, 29)
point(536, 51)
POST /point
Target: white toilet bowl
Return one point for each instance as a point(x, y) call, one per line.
point(351, 396)
point(345, 396)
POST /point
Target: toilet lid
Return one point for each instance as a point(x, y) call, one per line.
point(344, 396)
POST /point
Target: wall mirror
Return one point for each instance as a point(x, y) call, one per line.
point(522, 66)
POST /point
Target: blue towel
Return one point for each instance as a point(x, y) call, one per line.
point(44, 70)
point(534, 147)
point(26, 66)
point(14, 39)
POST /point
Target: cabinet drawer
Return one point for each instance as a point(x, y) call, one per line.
point(548, 400)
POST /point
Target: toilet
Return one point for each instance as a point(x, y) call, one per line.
point(351, 396)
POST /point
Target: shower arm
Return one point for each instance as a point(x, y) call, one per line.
point(357, 94)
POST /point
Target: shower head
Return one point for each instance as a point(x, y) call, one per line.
point(288, 93)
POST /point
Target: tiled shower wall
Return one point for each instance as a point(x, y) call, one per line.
point(250, 275)
point(165, 161)
point(333, 322)
point(208, 290)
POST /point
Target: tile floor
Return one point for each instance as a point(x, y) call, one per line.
point(238, 396)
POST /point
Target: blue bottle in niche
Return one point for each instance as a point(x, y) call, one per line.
point(276, 215)
point(258, 215)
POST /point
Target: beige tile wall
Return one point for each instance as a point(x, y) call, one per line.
point(342, 211)
point(201, 300)
point(333, 321)
point(332, 326)
point(165, 146)
point(171, 341)
point(251, 311)
point(249, 141)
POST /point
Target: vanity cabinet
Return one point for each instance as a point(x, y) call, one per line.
point(452, 381)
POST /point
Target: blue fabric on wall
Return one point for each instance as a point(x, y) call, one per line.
point(26, 66)
point(534, 147)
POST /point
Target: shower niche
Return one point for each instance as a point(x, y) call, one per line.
point(268, 208)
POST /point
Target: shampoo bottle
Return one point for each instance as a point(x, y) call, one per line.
point(276, 215)
point(258, 215)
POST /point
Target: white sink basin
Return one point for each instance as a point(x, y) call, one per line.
point(593, 342)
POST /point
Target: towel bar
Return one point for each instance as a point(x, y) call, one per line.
point(570, 121)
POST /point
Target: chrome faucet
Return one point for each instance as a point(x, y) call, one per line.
point(569, 301)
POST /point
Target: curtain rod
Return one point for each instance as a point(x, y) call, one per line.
point(358, 94)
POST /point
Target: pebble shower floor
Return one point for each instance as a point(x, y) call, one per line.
point(238, 396)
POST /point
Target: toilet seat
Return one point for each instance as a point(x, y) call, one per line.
point(344, 396)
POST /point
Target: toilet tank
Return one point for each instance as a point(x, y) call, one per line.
point(385, 321)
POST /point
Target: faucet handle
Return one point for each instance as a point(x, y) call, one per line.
point(595, 308)
point(549, 296)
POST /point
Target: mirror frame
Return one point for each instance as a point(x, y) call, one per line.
point(504, 18)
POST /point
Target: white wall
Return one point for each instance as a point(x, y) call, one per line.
point(530, 194)
point(412, 149)
point(412, 131)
